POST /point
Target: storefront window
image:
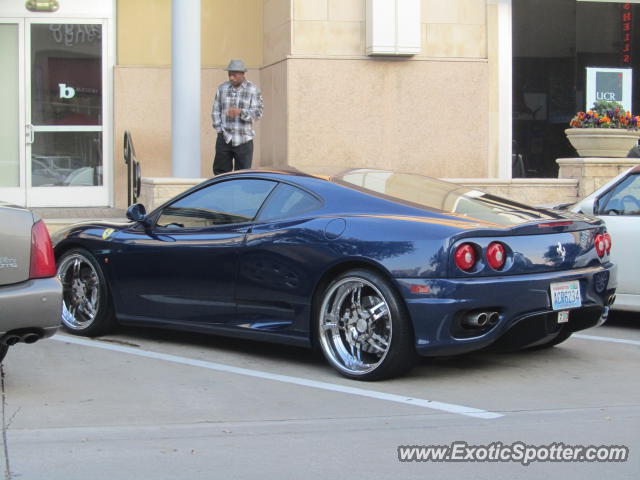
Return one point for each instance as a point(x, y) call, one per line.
point(67, 74)
point(72, 159)
point(554, 41)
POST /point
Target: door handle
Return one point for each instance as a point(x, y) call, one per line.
point(29, 134)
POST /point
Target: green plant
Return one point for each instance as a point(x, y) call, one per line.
point(605, 115)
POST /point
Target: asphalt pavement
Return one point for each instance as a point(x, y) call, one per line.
point(154, 404)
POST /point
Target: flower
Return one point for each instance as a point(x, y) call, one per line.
point(606, 115)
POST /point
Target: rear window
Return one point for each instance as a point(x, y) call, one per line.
point(438, 195)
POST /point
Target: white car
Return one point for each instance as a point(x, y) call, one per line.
point(618, 204)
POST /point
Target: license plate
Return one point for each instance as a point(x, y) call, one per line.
point(565, 295)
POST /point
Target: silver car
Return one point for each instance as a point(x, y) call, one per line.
point(30, 292)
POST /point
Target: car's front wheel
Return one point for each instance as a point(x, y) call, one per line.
point(363, 328)
point(86, 300)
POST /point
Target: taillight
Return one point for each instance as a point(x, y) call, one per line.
point(465, 257)
point(600, 245)
point(607, 243)
point(496, 255)
point(43, 263)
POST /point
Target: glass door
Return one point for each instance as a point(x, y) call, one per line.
point(64, 114)
point(12, 153)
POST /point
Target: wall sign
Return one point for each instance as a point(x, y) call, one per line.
point(627, 26)
point(610, 84)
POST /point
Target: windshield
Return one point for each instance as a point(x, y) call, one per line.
point(448, 197)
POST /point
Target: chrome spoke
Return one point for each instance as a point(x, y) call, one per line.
point(75, 268)
point(355, 298)
point(330, 326)
point(381, 308)
point(378, 343)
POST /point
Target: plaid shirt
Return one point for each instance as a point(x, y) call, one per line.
point(248, 98)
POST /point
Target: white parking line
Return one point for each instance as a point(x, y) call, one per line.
point(417, 402)
point(606, 339)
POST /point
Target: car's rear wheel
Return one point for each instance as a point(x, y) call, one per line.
point(86, 300)
point(363, 328)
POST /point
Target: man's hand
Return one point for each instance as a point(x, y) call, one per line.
point(233, 112)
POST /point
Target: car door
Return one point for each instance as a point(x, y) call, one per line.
point(183, 267)
point(275, 274)
point(619, 207)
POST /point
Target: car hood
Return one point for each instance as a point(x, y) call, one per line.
point(80, 227)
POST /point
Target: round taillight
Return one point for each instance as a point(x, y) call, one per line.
point(600, 245)
point(496, 255)
point(465, 257)
point(607, 243)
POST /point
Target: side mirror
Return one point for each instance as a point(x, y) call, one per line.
point(136, 212)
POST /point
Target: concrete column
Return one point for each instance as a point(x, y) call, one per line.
point(185, 89)
point(505, 74)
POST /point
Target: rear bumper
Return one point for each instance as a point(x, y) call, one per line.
point(523, 303)
point(34, 304)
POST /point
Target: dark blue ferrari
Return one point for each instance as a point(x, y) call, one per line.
point(373, 267)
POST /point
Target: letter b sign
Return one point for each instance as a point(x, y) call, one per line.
point(66, 92)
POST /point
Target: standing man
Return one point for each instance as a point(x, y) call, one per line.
point(237, 105)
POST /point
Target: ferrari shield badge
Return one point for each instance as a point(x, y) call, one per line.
point(107, 233)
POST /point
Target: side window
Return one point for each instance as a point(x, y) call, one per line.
point(232, 201)
point(287, 201)
point(624, 199)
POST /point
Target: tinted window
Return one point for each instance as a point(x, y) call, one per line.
point(233, 201)
point(624, 199)
point(448, 197)
point(287, 201)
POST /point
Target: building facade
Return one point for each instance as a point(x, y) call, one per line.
point(419, 85)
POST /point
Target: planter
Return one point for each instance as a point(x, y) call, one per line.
point(602, 142)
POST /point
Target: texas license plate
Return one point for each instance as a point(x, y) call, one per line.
point(565, 295)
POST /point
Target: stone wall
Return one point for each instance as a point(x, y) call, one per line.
point(593, 172)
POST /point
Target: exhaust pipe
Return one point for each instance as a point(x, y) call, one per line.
point(611, 299)
point(16, 336)
point(31, 338)
point(11, 340)
point(475, 320)
point(481, 319)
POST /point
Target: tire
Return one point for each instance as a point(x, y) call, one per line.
point(363, 328)
point(86, 300)
point(3, 351)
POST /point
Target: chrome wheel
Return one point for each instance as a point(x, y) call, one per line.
point(355, 326)
point(80, 291)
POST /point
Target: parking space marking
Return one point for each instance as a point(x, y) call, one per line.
point(606, 339)
point(416, 402)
